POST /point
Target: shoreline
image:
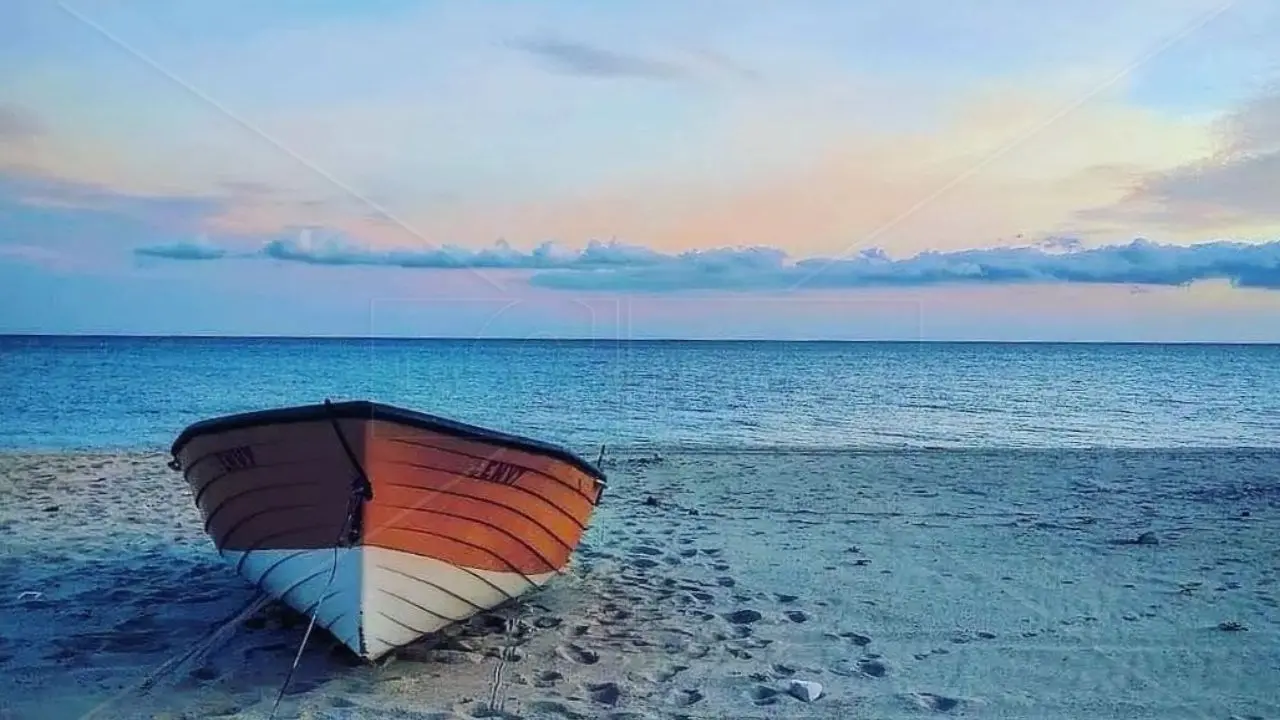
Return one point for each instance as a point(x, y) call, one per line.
point(908, 584)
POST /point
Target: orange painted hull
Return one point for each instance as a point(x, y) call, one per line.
point(387, 524)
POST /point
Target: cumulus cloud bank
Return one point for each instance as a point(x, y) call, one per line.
point(615, 266)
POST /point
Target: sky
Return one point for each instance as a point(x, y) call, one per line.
point(1100, 170)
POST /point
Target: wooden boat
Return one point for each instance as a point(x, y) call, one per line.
point(385, 523)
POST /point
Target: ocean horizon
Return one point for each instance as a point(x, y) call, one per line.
point(624, 340)
point(118, 392)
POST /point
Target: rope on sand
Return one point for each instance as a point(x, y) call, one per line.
point(333, 571)
point(216, 636)
point(507, 652)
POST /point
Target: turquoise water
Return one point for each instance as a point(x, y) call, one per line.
point(138, 393)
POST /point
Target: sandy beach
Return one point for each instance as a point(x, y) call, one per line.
point(995, 584)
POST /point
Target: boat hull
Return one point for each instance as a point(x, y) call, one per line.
point(385, 523)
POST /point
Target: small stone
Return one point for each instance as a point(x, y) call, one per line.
point(805, 690)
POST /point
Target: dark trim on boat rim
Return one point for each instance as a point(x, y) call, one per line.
point(368, 410)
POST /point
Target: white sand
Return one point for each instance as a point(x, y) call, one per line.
point(909, 585)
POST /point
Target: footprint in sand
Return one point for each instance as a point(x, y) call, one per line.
point(605, 693)
point(552, 708)
point(665, 673)
point(743, 617)
point(578, 654)
point(546, 678)
point(935, 703)
point(611, 614)
point(856, 639)
point(685, 698)
point(781, 670)
point(697, 650)
point(796, 616)
point(872, 667)
point(763, 695)
point(491, 713)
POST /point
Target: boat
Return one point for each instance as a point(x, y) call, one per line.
point(384, 524)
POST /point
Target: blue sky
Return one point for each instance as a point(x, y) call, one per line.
point(158, 159)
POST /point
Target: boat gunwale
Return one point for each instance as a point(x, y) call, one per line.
point(372, 411)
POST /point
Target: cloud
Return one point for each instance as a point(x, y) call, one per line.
point(174, 212)
point(615, 266)
point(312, 246)
point(1234, 185)
point(81, 228)
point(1138, 263)
point(183, 251)
point(577, 58)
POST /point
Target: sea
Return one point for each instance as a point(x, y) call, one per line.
point(137, 393)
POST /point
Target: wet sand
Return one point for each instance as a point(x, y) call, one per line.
point(907, 584)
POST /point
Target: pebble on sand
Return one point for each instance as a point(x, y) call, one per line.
point(805, 690)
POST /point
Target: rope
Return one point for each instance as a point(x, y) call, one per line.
point(353, 504)
point(333, 571)
point(511, 626)
point(203, 645)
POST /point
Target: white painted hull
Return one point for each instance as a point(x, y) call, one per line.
point(376, 599)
